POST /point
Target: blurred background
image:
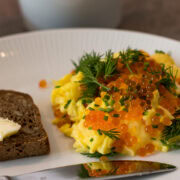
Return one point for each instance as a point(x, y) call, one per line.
point(161, 17)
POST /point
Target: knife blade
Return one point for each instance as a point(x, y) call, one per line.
point(98, 170)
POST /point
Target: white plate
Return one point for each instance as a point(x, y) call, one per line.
point(27, 58)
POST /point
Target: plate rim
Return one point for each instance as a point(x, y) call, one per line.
point(61, 30)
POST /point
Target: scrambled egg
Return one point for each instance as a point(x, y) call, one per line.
point(88, 140)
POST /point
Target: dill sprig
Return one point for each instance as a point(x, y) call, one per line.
point(172, 131)
point(168, 78)
point(83, 173)
point(98, 155)
point(130, 56)
point(110, 65)
point(92, 68)
point(113, 134)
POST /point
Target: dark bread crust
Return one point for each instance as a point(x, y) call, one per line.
point(32, 139)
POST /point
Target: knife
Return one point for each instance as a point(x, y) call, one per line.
point(98, 170)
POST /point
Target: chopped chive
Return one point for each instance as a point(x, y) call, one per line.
point(88, 147)
point(158, 114)
point(106, 110)
point(106, 97)
point(145, 113)
point(123, 99)
point(155, 126)
point(153, 138)
point(159, 52)
point(86, 101)
point(91, 109)
point(115, 115)
point(115, 89)
point(91, 140)
point(112, 102)
point(90, 128)
point(99, 132)
point(125, 109)
point(57, 86)
point(96, 105)
point(84, 117)
point(67, 104)
point(105, 118)
point(106, 103)
point(146, 65)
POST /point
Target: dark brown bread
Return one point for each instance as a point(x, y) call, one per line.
point(32, 139)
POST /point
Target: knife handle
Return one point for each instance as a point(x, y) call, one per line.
point(4, 178)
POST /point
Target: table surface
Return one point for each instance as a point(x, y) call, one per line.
point(160, 17)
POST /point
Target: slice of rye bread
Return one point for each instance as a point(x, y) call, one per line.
point(32, 139)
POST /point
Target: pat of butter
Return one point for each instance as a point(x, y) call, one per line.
point(8, 128)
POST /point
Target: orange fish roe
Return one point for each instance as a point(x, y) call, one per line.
point(148, 149)
point(43, 83)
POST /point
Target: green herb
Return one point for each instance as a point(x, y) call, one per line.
point(90, 128)
point(88, 147)
point(112, 102)
point(154, 126)
point(110, 65)
point(91, 140)
point(86, 101)
point(106, 97)
point(115, 115)
point(115, 89)
point(158, 114)
point(67, 104)
point(106, 110)
point(57, 86)
point(92, 68)
point(125, 109)
point(168, 78)
point(83, 173)
point(130, 56)
point(146, 65)
point(91, 109)
point(96, 105)
point(159, 52)
point(105, 118)
point(113, 134)
point(84, 117)
point(171, 131)
point(98, 155)
point(145, 113)
point(153, 138)
point(123, 99)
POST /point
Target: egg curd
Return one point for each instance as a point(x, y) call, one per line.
point(126, 102)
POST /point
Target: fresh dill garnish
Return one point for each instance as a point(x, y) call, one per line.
point(105, 118)
point(172, 131)
point(115, 115)
point(92, 68)
point(112, 133)
point(168, 78)
point(125, 109)
point(91, 109)
point(145, 113)
point(106, 110)
point(91, 140)
point(96, 105)
point(83, 173)
point(154, 126)
point(98, 155)
point(159, 52)
point(158, 114)
point(57, 86)
point(110, 65)
point(115, 89)
point(146, 65)
point(130, 56)
point(123, 99)
point(67, 104)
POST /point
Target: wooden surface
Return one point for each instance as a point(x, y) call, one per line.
point(160, 17)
